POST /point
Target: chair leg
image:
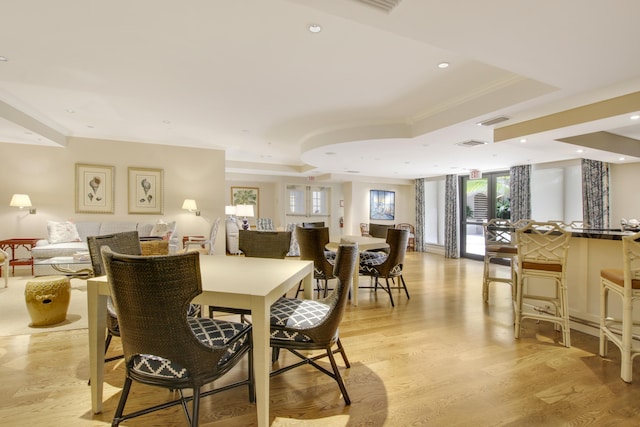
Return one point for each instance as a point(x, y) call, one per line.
point(404, 285)
point(342, 352)
point(196, 407)
point(123, 399)
point(604, 295)
point(338, 377)
point(252, 380)
point(389, 291)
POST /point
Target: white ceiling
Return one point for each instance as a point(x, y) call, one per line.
point(364, 95)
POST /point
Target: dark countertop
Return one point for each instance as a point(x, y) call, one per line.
point(599, 233)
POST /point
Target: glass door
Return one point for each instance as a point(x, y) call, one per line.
point(481, 199)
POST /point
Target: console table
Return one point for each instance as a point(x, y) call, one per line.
point(16, 243)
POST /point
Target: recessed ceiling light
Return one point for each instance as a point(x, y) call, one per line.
point(443, 65)
point(621, 159)
point(3, 59)
point(580, 150)
point(635, 117)
point(523, 140)
point(315, 28)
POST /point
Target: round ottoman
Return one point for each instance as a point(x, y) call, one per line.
point(47, 299)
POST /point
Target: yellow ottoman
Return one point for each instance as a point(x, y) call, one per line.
point(47, 299)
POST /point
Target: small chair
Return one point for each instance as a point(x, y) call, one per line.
point(4, 267)
point(624, 283)
point(318, 224)
point(411, 244)
point(199, 243)
point(499, 244)
point(379, 230)
point(264, 244)
point(364, 229)
point(127, 242)
point(300, 325)
point(388, 266)
point(162, 346)
point(313, 242)
point(264, 224)
point(542, 254)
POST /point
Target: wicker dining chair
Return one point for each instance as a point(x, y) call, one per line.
point(162, 346)
point(388, 266)
point(313, 242)
point(301, 325)
point(127, 242)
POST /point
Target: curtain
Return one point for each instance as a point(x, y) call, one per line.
point(520, 189)
point(595, 193)
point(451, 217)
point(419, 231)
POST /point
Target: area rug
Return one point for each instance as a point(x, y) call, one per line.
point(15, 319)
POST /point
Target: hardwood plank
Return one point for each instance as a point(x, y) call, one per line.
point(440, 358)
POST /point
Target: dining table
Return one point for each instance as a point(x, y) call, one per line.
point(227, 281)
point(365, 243)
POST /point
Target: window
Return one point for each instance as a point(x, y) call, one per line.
point(307, 200)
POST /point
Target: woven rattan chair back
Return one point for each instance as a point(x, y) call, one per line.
point(264, 244)
point(397, 240)
point(312, 242)
point(127, 242)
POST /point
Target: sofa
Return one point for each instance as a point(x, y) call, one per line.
point(67, 238)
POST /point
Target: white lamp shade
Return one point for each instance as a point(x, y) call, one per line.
point(229, 210)
point(190, 205)
point(20, 201)
point(244, 210)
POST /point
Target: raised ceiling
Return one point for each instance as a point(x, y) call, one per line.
point(362, 98)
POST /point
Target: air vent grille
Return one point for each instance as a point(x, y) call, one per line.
point(386, 5)
point(471, 143)
point(494, 121)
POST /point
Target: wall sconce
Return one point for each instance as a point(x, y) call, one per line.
point(230, 210)
point(190, 205)
point(244, 211)
point(22, 201)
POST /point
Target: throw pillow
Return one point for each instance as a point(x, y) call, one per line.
point(62, 232)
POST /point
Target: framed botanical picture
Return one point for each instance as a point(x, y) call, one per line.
point(94, 188)
point(382, 204)
point(146, 191)
point(246, 196)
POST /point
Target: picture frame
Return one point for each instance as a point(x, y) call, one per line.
point(382, 204)
point(146, 191)
point(246, 196)
point(94, 188)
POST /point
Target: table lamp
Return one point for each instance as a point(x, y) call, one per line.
point(244, 211)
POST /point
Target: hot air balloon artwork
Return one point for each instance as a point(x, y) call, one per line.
point(145, 190)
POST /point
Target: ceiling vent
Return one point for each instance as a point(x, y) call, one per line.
point(386, 5)
point(494, 121)
point(471, 143)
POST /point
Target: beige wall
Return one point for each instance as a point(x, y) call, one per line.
point(625, 179)
point(47, 174)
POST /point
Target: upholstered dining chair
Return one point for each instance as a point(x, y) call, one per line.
point(4, 267)
point(313, 242)
point(499, 244)
point(388, 266)
point(162, 346)
point(127, 242)
point(264, 224)
point(542, 255)
point(364, 229)
point(264, 244)
point(208, 243)
point(625, 283)
point(301, 326)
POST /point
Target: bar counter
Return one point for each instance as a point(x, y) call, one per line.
point(590, 251)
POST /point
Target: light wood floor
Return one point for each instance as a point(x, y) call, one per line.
point(441, 358)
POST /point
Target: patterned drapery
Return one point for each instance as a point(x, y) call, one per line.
point(419, 232)
point(595, 193)
point(520, 189)
point(451, 217)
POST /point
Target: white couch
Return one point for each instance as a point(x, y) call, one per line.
point(46, 249)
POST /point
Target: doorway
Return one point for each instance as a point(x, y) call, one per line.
point(481, 199)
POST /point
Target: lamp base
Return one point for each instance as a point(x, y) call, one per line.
point(245, 223)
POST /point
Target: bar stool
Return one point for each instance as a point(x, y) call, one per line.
point(499, 243)
point(626, 284)
point(542, 254)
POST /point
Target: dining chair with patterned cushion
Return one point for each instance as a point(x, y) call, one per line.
point(163, 347)
point(301, 326)
point(387, 266)
point(313, 247)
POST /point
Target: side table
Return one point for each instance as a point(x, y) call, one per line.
point(16, 243)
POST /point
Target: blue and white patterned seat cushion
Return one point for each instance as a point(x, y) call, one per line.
point(296, 313)
point(370, 259)
point(209, 332)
